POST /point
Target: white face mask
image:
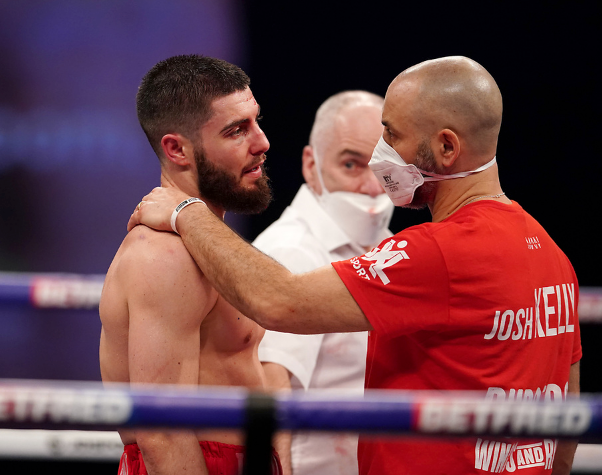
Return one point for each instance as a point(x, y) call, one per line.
point(399, 179)
point(362, 217)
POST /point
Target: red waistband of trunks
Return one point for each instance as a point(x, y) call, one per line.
point(221, 459)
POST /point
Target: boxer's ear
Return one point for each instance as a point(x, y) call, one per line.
point(177, 149)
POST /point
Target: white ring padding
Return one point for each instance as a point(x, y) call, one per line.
point(61, 445)
point(179, 208)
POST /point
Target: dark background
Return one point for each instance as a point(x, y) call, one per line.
point(74, 163)
point(543, 59)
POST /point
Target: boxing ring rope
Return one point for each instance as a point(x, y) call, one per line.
point(66, 445)
point(83, 291)
point(35, 404)
point(51, 290)
point(87, 414)
point(83, 406)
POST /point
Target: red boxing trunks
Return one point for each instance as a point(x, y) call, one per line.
point(221, 459)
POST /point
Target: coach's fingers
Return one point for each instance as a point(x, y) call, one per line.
point(135, 217)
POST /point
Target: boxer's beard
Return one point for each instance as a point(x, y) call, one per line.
point(224, 189)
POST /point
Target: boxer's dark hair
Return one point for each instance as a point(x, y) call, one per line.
point(175, 95)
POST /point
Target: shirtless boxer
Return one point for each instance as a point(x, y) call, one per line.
point(162, 321)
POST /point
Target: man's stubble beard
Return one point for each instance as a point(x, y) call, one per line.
point(222, 188)
point(425, 160)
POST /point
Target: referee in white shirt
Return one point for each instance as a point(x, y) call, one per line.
point(339, 213)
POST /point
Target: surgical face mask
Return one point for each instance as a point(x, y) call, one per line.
point(399, 179)
point(362, 217)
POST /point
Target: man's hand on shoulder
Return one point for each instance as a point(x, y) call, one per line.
point(156, 208)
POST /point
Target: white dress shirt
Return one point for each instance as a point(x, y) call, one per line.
point(302, 239)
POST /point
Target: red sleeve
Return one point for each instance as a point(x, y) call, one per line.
point(402, 286)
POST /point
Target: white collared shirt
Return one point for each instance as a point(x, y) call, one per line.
point(302, 239)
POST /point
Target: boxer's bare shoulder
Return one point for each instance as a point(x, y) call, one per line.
point(153, 291)
point(163, 323)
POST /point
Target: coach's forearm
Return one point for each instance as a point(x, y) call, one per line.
point(252, 282)
point(261, 288)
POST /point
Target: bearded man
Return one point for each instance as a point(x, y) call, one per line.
point(162, 321)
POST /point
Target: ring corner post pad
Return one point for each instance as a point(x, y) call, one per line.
point(260, 426)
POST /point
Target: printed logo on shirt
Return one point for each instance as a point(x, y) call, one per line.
point(553, 314)
point(495, 456)
point(533, 242)
point(512, 422)
point(391, 253)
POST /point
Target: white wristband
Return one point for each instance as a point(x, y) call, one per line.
point(179, 208)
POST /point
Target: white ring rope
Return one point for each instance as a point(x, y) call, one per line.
point(60, 445)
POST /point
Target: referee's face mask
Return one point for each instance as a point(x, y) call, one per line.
point(400, 179)
point(362, 217)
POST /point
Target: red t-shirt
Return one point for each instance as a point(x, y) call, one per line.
point(484, 300)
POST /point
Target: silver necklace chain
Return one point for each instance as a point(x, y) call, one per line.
point(485, 196)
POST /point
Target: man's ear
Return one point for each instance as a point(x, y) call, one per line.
point(308, 168)
point(177, 149)
point(448, 147)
